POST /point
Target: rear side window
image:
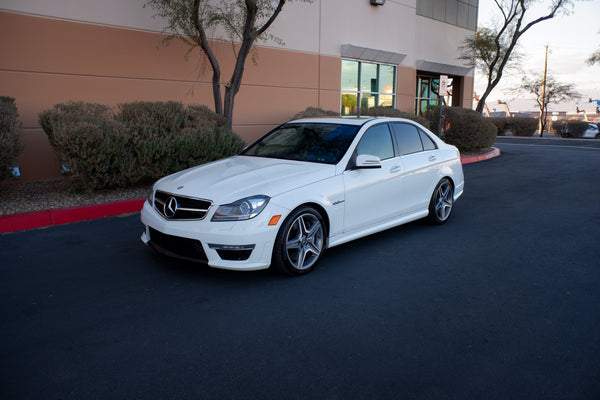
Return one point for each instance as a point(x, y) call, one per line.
point(408, 138)
point(377, 142)
point(428, 144)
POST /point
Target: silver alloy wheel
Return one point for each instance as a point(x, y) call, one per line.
point(304, 241)
point(444, 199)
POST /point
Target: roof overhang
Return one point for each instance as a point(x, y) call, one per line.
point(369, 54)
point(442, 69)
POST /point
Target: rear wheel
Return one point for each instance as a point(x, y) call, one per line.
point(442, 202)
point(300, 242)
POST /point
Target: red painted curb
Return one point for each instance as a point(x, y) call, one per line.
point(21, 222)
point(58, 216)
point(471, 159)
point(84, 213)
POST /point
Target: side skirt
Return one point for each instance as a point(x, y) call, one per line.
point(347, 237)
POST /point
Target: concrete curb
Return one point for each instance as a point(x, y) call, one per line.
point(495, 152)
point(59, 216)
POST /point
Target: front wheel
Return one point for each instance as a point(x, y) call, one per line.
point(442, 202)
point(300, 242)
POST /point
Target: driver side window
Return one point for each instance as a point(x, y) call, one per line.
point(377, 141)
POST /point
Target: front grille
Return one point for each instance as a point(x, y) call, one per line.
point(177, 246)
point(176, 207)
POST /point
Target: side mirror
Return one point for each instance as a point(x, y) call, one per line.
point(367, 161)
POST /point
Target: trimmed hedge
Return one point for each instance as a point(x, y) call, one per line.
point(518, 126)
point(464, 128)
point(11, 130)
point(573, 129)
point(394, 113)
point(315, 112)
point(141, 141)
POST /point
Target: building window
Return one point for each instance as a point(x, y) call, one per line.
point(428, 93)
point(366, 85)
point(461, 13)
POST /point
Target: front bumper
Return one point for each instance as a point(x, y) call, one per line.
point(240, 245)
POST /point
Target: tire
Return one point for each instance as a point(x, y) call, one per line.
point(442, 202)
point(300, 242)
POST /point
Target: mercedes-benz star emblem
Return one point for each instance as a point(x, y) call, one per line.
point(170, 207)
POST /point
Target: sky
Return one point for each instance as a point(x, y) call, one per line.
point(571, 39)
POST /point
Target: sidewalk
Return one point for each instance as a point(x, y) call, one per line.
point(59, 216)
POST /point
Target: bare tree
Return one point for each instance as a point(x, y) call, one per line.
point(594, 58)
point(491, 49)
point(243, 23)
point(554, 93)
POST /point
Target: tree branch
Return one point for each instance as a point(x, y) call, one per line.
point(267, 24)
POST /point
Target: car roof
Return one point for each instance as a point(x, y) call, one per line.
point(345, 120)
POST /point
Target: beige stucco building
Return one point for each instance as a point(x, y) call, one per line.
point(336, 54)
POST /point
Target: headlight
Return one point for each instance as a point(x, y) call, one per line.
point(150, 197)
point(242, 209)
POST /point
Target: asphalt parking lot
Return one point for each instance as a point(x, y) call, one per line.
point(502, 302)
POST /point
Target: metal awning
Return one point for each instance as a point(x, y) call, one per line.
point(442, 69)
point(369, 54)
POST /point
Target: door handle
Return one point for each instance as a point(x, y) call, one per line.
point(395, 169)
point(432, 158)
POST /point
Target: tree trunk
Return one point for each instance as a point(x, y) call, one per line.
point(484, 96)
point(214, 63)
point(236, 82)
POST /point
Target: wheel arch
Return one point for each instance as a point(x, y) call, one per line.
point(322, 212)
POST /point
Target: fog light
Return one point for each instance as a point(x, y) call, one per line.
point(232, 252)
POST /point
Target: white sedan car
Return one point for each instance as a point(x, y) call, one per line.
point(307, 185)
point(591, 132)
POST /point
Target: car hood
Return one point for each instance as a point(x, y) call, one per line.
point(234, 178)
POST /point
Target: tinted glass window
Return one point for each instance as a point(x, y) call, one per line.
point(349, 75)
point(377, 142)
point(366, 85)
point(408, 138)
point(368, 78)
point(315, 142)
point(428, 144)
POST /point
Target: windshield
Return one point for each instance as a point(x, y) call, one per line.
point(314, 142)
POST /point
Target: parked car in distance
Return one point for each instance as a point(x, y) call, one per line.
point(591, 132)
point(305, 186)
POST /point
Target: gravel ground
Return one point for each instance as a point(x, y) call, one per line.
point(35, 196)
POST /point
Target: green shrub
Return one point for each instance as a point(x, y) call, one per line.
point(65, 114)
point(142, 141)
point(168, 117)
point(518, 126)
point(524, 126)
point(557, 126)
point(202, 116)
point(500, 123)
point(315, 112)
point(574, 129)
point(464, 128)
point(10, 135)
point(394, 113)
